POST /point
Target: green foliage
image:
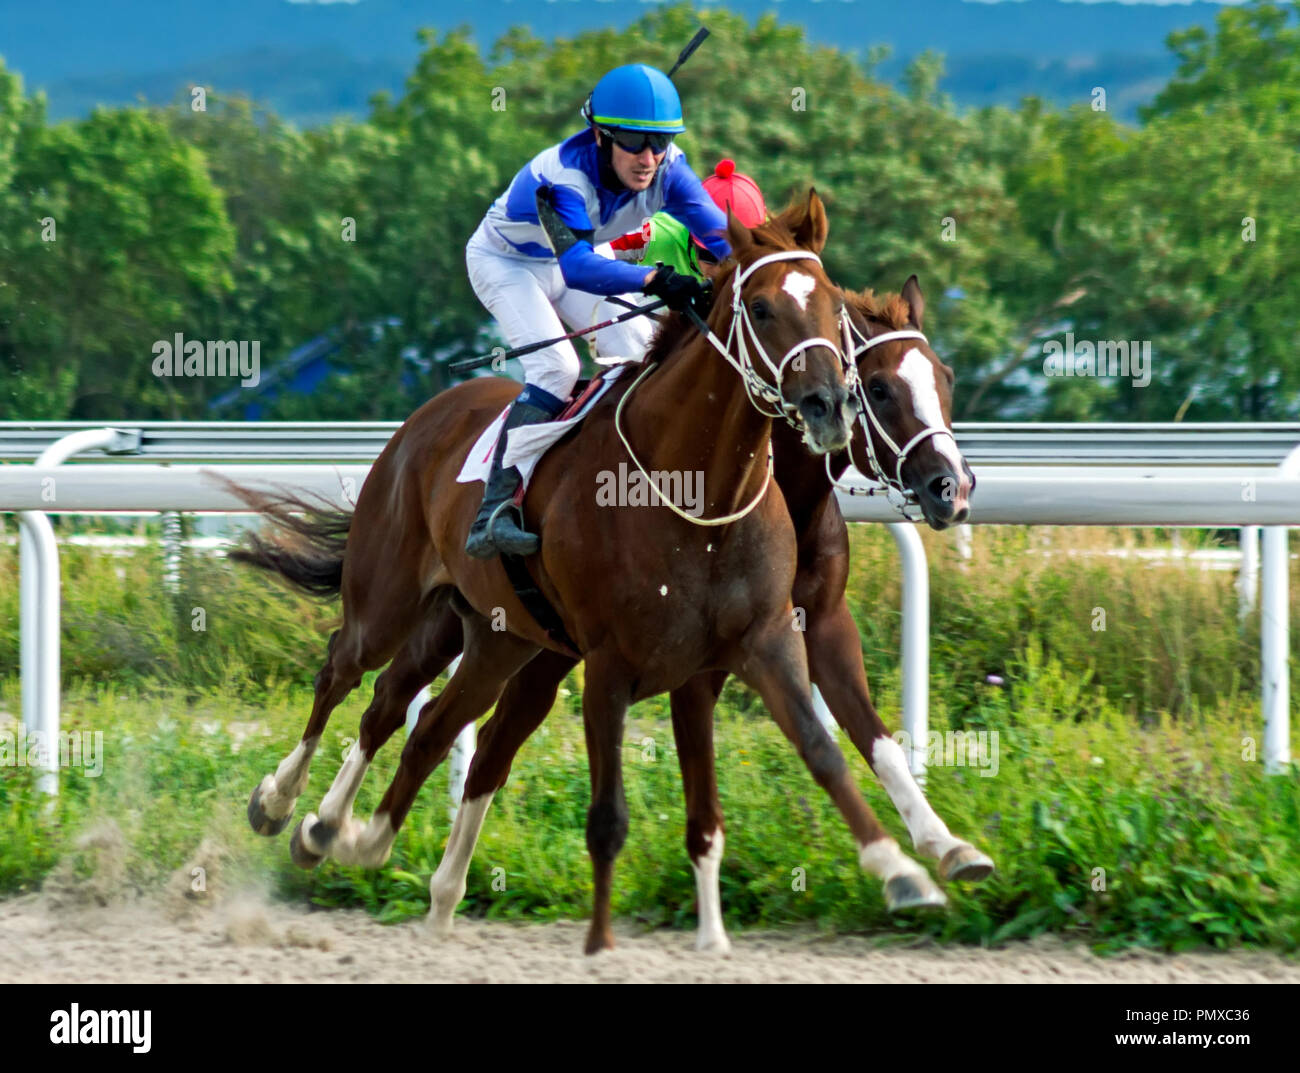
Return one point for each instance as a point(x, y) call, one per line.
point(1103, 830)
point(1126, 749)
point(1023, 224)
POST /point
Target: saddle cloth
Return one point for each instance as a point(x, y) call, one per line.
point(528, 443)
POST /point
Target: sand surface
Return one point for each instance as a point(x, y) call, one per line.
point(250, 938)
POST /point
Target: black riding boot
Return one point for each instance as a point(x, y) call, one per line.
point(496, 530)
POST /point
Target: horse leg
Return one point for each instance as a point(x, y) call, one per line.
point(371, 632)
point(490, 659)
point(835, 665)
point(604, 706)
point(433, 644)
point(522, 708)
point(777, 667)
point(692, 710)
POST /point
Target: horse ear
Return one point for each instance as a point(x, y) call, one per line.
point(915, 301)
point(808, 223)
point(737, 234)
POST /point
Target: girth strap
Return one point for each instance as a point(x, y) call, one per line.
point(537, 605)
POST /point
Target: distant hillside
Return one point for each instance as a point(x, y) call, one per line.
point(313, 61)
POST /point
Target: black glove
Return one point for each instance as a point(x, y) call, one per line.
point(680, 291)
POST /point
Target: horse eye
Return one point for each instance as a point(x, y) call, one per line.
point(879, 392)
point(759, 308)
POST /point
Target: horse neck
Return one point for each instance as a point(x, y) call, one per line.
point(692, 414)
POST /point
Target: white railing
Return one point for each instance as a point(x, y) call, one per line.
point(1245, 488)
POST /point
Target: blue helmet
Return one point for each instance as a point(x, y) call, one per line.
point(635, 97)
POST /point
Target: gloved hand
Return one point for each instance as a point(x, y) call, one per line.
point(680, 291)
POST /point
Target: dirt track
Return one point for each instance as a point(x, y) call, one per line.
point(249, 939)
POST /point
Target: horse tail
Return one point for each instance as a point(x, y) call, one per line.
point(308, 549)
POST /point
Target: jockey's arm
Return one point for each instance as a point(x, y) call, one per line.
point(687, 200)
point(582, 268)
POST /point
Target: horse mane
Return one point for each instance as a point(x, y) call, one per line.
point(774, 236)
point(890, 309)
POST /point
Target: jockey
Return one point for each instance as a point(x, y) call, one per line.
point(603, 182)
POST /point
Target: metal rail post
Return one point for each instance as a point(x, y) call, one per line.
point(1275, 640)
point(1248, 579)
point(916, 644)
point(39, 596)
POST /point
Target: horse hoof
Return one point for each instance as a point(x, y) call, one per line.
point(965, 863)
point(905, 892)
point(298, 851)
point(260, 821)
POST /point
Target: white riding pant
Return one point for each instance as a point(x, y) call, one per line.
point(528, 298)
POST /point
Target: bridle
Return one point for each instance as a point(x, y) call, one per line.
point(766, 398)
point(899, 496)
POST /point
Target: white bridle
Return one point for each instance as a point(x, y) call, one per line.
point(768, 395)
point(900, 497)
point(760, 392)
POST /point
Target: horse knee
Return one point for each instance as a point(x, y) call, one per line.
point(820, 753)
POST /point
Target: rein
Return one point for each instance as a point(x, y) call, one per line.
point(755, 385)
point(900, 497)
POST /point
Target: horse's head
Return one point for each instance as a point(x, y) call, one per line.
point(904, 438)
point(779, 315)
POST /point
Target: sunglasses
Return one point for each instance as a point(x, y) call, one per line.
point(635, 141)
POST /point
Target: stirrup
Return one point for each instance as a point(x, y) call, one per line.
point(518, 542)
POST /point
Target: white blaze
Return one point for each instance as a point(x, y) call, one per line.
point(918, 371)
point(799, 285)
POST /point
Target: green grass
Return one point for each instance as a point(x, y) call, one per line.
point(1125, 750)
point(1197, 846)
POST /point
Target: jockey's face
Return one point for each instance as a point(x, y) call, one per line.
point(636, 171)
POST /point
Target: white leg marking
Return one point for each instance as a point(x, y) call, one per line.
point(364, 847)
point(799, 285)
point(884, 860)
point(337, 805)
point(930, 835)
point(280, 791)
point(918, 371)
point(336, 813)
point(711, 935)
point(447, 887)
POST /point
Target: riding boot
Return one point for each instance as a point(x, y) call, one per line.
point(496, 531)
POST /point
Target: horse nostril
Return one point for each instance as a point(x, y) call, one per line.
point(943, 488)
point(815, 406)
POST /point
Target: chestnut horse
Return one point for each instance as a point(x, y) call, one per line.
point(904, 440)
point(648, 607)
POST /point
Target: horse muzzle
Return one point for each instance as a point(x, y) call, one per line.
point(825, 417)
point(944, 496)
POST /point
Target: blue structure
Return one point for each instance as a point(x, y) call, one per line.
point(310, 364)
